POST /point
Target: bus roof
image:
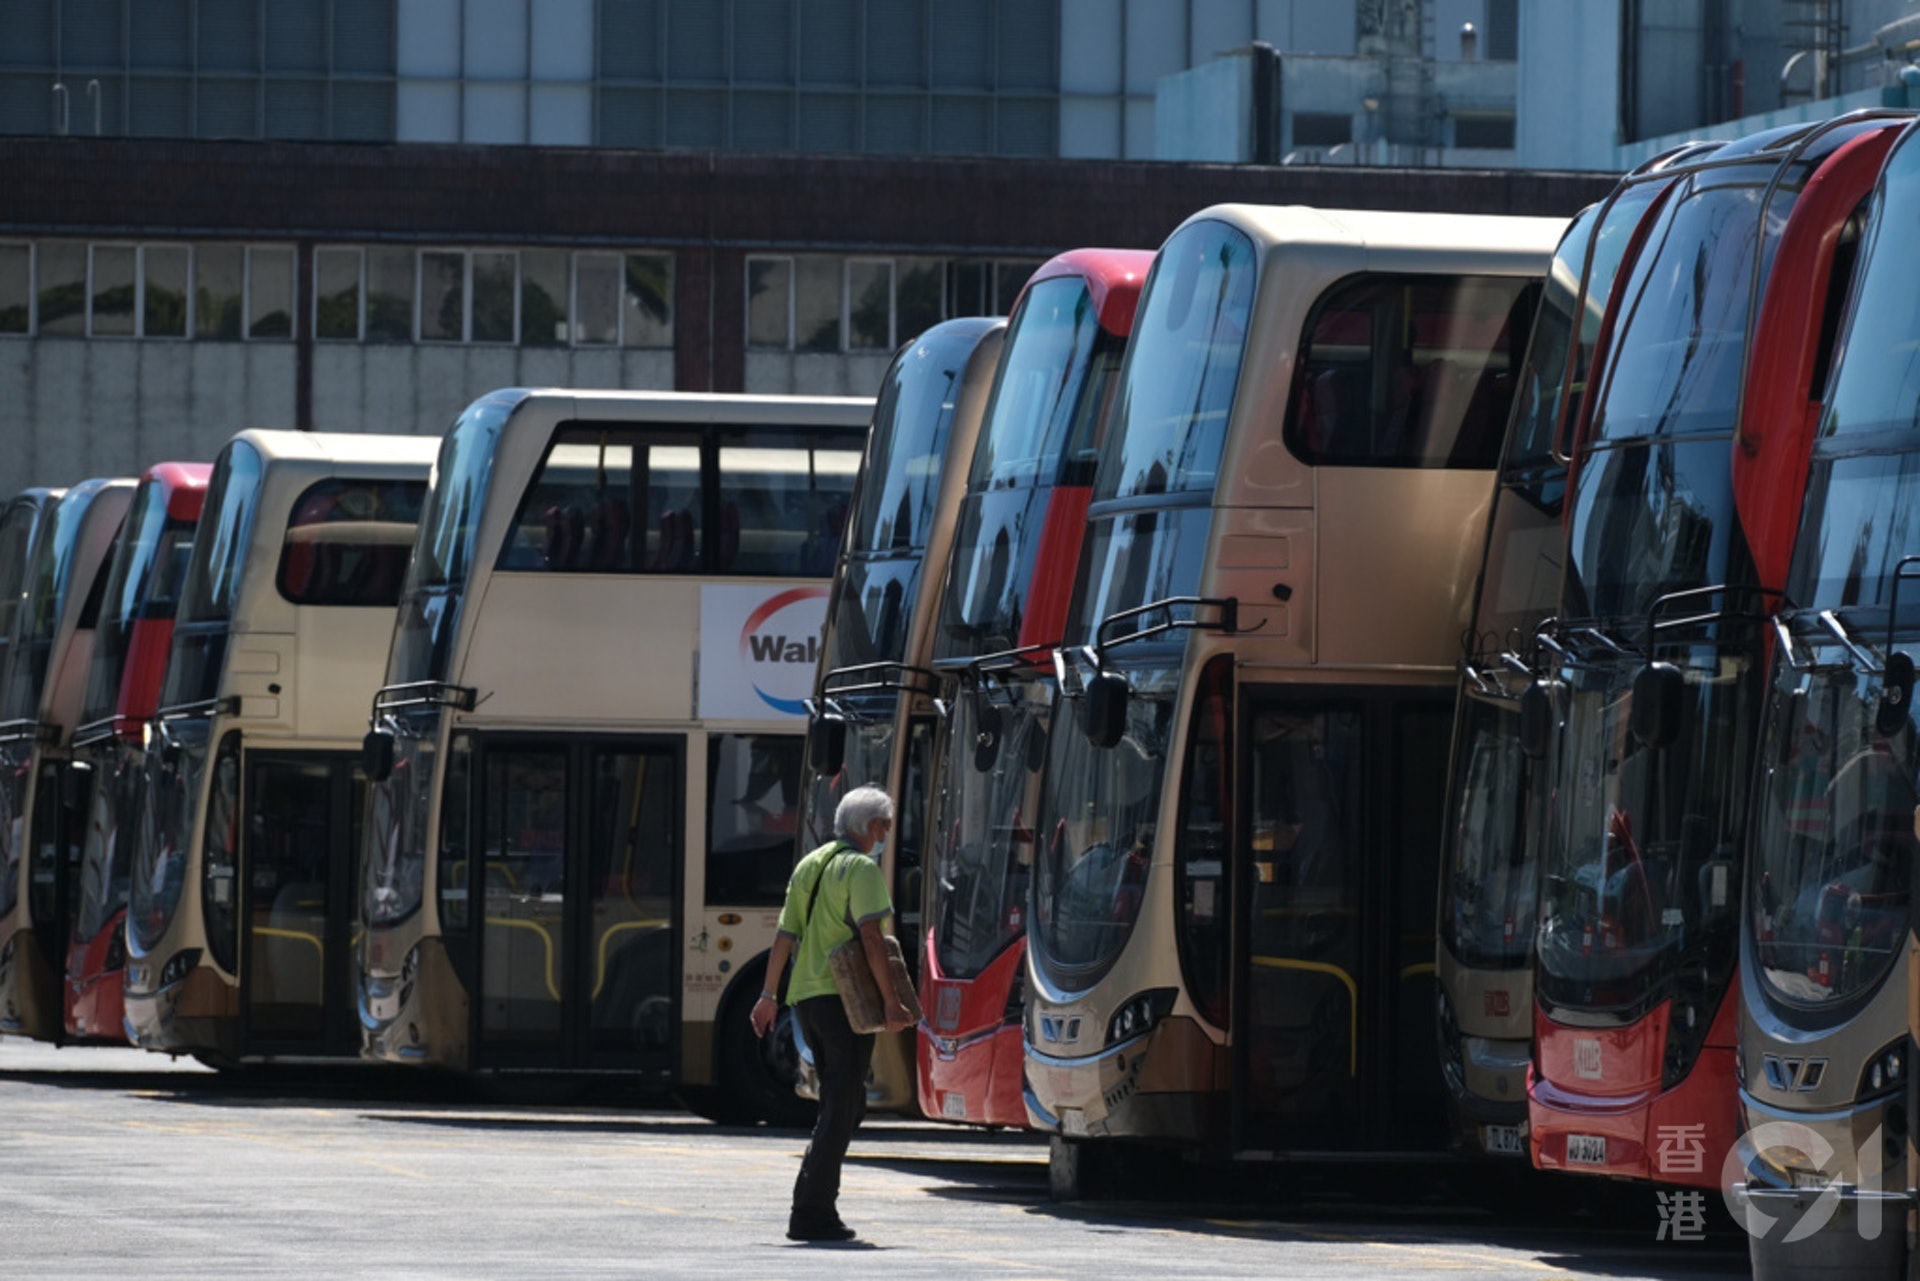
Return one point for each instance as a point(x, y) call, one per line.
point(185, 484)
point(1114, 278)
point(335, 450)
point(701, 407)
point(1483, 242)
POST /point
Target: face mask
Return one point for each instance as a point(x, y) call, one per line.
point(879, 848)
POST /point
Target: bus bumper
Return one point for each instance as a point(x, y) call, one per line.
point(1864, 1146)
point(29, 990)
point(977, 1080)
point(1487, 1097)
point(1681, 1136)
point(198, 1014)
point(1166, 1084)
point(417, 1015)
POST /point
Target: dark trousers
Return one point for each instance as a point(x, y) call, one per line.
point(841, 1058)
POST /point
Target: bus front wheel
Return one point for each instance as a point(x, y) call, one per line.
point(757, 1074)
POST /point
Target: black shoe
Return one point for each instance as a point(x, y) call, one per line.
point(819, 1230)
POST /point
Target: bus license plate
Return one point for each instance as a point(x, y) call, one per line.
point(953, 1106)
point(1586, 1149)
point(1501, 1140)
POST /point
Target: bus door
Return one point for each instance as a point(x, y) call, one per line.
point(580, 845)
point(300, 848)
point(1335, 1048)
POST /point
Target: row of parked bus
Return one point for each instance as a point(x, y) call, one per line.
point(1148, 605)
point(1205, 633)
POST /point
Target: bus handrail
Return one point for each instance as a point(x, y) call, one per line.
point(29, 728)
point(106, 727)
point(204, 709)
point(1731, 592)
point(1893, 596)
point(886, 677)
point(391, 698)
point(1228, 622)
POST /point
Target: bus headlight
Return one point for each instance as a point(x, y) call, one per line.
point(1139, 1014)
point(1885, 1072)
point(177, 966)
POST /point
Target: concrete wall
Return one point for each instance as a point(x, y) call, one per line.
point(1568, 110)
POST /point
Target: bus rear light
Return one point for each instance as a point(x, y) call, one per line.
point(177, 966)
point(1139, 1014)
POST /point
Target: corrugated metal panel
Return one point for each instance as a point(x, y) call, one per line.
point(227, 109)
point(630, 40)
point(762, 121)
point(90, 36)
point(962, 126)
point(160, 107)
point(696, 43)
point(1029, 37)
point(160, 35)
point(296, 109)
point(26, 103)
point(1026, 127)
point(896, 43)
point(696, 118)
point(829, 122)
point(363, 40)
point(896, 124)
point(363, 111)
point(628, 118)
point(1503, 30)
point(229, 36)
point(763, 41)
point(29, 28)
point(296, 39)
point(829, 42)
point(963, 44)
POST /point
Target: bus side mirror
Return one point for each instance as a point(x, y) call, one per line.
point(376, 755)
point(1536, 719)
point(826, 744)
point(1896, 695)
point(986, 742)
point(1103, 709)
point(1659, 704)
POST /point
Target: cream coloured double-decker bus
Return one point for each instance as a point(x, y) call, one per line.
point(239, 908)
point(1230, 935)
point(587, 749)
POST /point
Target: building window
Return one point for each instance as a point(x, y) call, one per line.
point(337, 291)
point(1488, 132)
point(544, 313)
point(269, 292)
point(16, 289)
point(820, 304)
point(1321, 129)
point(390, 281)
point(218, 272)
point(110, 291)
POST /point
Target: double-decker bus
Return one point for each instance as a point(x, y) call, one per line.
point(1489, 870)
point(131, 639)
point(1000, 617)
point(874, 697)
point(587, 750)
point(1230, 937)
point(1654, 687)
point(43, 800)
point(1826, 937)
point(239, 907)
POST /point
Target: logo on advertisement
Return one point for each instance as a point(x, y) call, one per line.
point(772, 653)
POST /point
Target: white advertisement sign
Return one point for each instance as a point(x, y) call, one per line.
point(759, 646)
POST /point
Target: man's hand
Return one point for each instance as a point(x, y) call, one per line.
point(765, 1010)
point(899, 1017)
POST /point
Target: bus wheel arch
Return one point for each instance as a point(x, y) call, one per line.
point(755, 1077)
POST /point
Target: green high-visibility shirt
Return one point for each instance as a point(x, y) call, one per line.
point(852, 891)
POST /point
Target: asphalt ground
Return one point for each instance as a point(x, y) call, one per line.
point(126, 1164)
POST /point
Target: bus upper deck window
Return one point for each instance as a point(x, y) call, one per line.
point(1409, 371)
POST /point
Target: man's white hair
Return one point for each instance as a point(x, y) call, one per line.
point(858, 809)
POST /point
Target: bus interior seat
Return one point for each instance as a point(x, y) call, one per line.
point(609, 527)
point(673, 553)
point(566, 530)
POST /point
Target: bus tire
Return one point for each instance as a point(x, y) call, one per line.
point(757, 1074)
point(1081, 1171)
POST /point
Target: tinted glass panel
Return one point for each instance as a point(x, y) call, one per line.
point(347, 542)
point(753, 792)
point(1177, 390)
point(1410, 371)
